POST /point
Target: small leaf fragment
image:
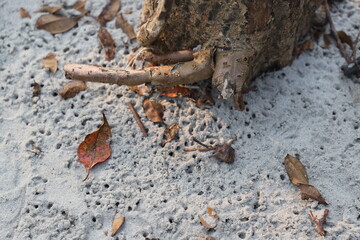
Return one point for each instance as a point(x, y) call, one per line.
point(224, 153)
point(24, 13)
point(309, 191)
point(109, 11)
point(307, 45)
point(205, 224)
point(50, 62)
point(176, 91)
point(125, 26)
point(212, 213)
point(80, 6)
point(49, 9)
point(154, 111)
point(295, 170)
point(143, 89)
point(72, 88)
point(344, 38)
point(327, 41)
point(96, 147)
point(36, 90)
point(116, 225)
point(170, 133)
point(56, 24)
point(107, 43)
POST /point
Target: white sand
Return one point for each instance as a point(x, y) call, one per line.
point(308, 108)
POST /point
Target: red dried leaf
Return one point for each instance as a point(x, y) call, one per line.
point(176, 91)
point(107, 43)
point(96, 147)
point(109, 11)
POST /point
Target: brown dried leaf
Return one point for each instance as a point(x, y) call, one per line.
point(36, 90)
point(71, 89)
point(80, 6)
point(24, 13)
point(107, 43)
point(116, 225)
point(50, 62)
point(142, 89)
point(154, 111)
point(96, 147)
point(295, 170)
point(176, 91)
point(344, 38)
point(49, 9)
point(224, 153)
point(170, 133)
point(109, 11)
point(307, 45)
point(309, 191)
point(125, 26)
point(327, 41)
point(55, 24)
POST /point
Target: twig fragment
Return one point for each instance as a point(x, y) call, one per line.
point(168, 58)
point(335, 34)
point(137, 119)
point(319, 222)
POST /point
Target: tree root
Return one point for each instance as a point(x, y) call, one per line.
point(168, 58)
point(200, 68)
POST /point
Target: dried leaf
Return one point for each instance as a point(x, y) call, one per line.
point(153, 111)
point(50, 62)
point(176, 91)
point(55, 24)
point(125, 26)
point(309, 191)
point(224, 153)
point(36, 90)
point(307, 45)
point(72, 88)
point(80, 6)
point(109, 11)
point(116, 225)
point(107, 43)
point(24, 13)
point(49, 9)
point(96, 147)
point(344, 38)
point(170, 133)
point(212, 213)
point(143, 89)
point(295, 170)
point(327, 41)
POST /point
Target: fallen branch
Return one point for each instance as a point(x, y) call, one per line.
point(137, 119)
point(334, 33)
point(168, 58)
point(168, 75)
point(319, 222)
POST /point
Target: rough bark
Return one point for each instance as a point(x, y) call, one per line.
point(245, 38)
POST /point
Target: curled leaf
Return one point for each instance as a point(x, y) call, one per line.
point(49, 9)
point(344, 38)
point(36, 90)
point(143, 89)
point(72, 88)
point(295, 170)
point(212, 213)
point(50, 62)
point(56, 24)
point(80, 6)
point(153, 111)
point(125, 26)
point(224, 153)
point(116, 224)
point(24, 13)
point(109, 11)
point(107, 43)
point(309, 191)
point(170, 133)
point(96, 147)
point(176, 91)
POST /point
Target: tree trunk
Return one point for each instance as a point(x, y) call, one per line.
point(243, 38)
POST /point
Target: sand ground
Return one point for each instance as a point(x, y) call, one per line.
point(308, 109)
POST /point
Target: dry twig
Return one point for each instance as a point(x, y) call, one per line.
point(319, 222)
point(137, 119)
